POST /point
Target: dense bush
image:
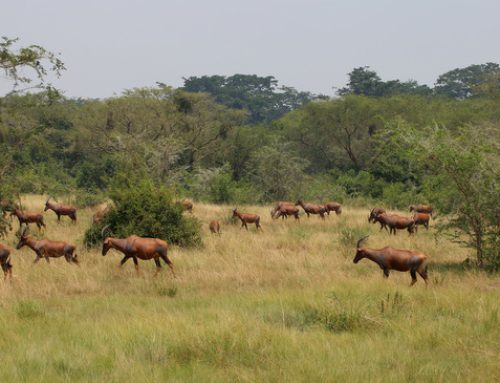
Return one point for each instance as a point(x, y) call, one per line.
point(145, 210)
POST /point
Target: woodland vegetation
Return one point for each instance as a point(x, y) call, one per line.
point(246, 139)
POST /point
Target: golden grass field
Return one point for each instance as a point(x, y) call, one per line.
point(286, 304)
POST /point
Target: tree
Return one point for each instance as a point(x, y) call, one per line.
point(277, 172)
point(363, 81)
point(34, 58)
point(462, 170)
point(261, 96)
point(459, 83)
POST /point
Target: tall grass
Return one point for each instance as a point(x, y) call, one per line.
point(286, 304)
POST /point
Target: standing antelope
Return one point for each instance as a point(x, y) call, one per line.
point(247, 218)
point(214, 227)
point(285, 210)
point(311, 208)
point(422, 209)
point(5, 261)
point(395, 222)
point(333, 206)
point(27, 217)
point(60, 209)
point(376, 211)
point(389, 258)
point(46, 248)
point(138, 247)
point(421, 219)
point(275, 210)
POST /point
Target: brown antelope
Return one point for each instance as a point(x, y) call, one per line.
point(389, 258)
point(45, 248)
point(333, 206)
point(138, 247)
point(275, 210)
point(5, 261)
point(285, 210)
point(421, 219)
point(214, 227)
point(247, 218)
point(374, 213)
point(422, 209)
point(187, 205)
point(100, 214)
point(311, 208)
point(27, 217)
point(395, 222)
point(60, 209)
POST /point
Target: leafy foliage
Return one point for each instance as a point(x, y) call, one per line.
point(145, 210)
point(261, 96)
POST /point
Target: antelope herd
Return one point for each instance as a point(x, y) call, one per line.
point(135, 247)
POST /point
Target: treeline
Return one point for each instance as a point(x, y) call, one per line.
point(244, 139)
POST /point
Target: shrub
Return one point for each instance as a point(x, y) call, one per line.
point(145, 210)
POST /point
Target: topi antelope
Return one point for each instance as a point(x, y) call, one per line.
point(333, 206)
point(60, 209)
point(247, 218)
point(27, 217)
point(389, 258)
point(5, 261)
point(214, 227)
point(311, 208)
point(45, 248)
point(139, 247)
point(421, 219)
point(422, 209)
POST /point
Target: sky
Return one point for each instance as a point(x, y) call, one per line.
point(111, 45)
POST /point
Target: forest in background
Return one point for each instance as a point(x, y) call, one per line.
point(246, 139)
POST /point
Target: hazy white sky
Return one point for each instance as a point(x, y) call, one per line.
point(111, 45)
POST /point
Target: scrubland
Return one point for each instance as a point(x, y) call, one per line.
point(285, 304)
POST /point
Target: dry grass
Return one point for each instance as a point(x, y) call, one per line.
point(286, 304)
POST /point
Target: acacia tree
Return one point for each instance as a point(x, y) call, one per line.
point(36, 58)
point(462, 170)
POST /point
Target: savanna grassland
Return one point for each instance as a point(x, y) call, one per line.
point(287, 304)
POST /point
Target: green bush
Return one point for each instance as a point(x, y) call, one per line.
point(145, 210)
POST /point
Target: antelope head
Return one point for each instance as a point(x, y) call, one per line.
point(23, 237)
point(47, 204)
point(360, 252)
point(106, 243)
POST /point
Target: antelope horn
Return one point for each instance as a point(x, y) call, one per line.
point(361, 240)
point(103, 229)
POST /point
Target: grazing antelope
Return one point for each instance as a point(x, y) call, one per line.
point(333, 206)
point(285, 210)
point(138, 247)
point(389, 258)
point(247, 218)
point(311, 208)
point(46, 248)
point(100, 214)
point(395, 222)
point(27, 217)
point(214, 227)
point(5, 261)
point(59, 209)
point(422, 209)
point(421, 219)
point(275, 210)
